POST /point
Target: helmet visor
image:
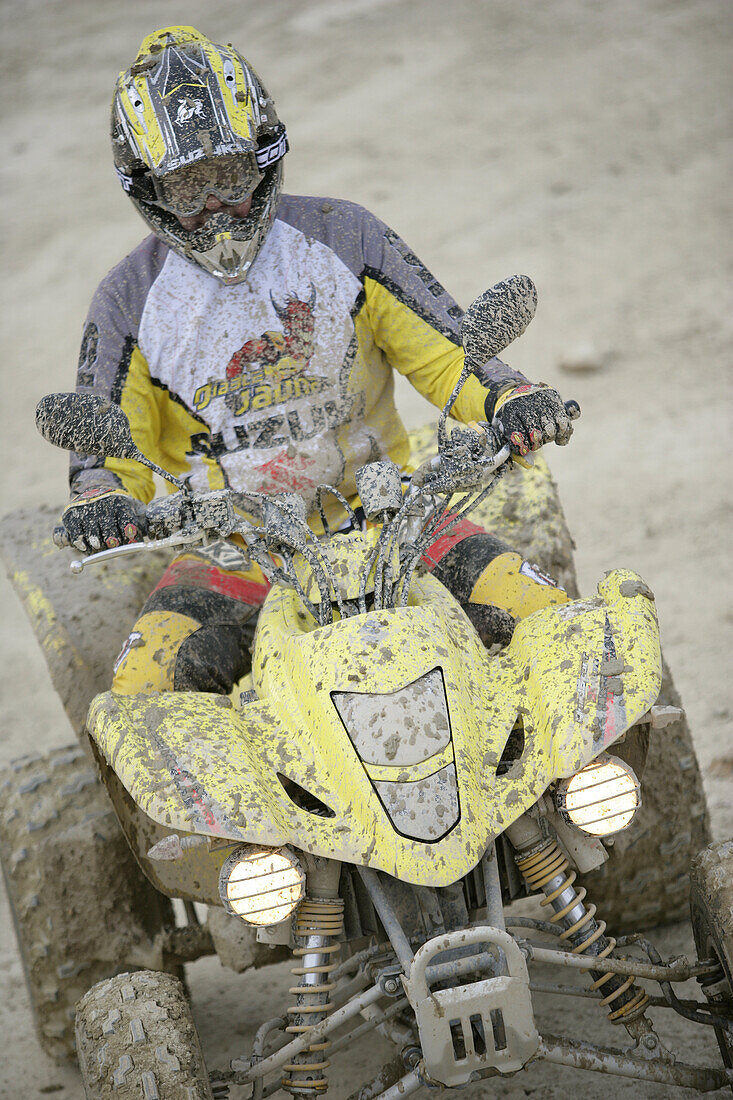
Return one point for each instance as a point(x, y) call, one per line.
point(231, 179)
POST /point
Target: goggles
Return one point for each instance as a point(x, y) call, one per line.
point(231, 179)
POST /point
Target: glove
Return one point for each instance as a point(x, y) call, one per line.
point(532, 415)
point(102, 518)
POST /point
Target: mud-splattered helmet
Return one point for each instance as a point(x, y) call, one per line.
point(191, 118)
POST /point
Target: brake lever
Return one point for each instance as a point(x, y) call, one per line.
point(183, 537)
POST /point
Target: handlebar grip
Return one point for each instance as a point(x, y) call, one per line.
point(60, 538)
point(572, 408)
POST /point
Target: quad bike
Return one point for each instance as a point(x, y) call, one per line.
point(377, 795)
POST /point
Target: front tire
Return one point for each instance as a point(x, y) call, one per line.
point(136, 1038)
point(646, 881)
point(711, 914)
point(82, 909)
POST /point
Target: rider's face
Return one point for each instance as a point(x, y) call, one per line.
point(213, 205)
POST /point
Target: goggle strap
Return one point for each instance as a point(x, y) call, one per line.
point(268, 154)
point(138, 185)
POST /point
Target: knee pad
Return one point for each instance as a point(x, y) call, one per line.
point(516, 586)
point(479, 569)
point(147, 660)
point(493, 625)
point(193, 633)
point(211, 659)
point(458, 558)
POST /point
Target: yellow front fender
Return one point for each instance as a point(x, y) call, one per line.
point(575, 676)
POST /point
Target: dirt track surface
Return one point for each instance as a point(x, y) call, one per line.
point(587, 145)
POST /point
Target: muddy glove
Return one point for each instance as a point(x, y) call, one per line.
point(102, 518)
point(532, 415)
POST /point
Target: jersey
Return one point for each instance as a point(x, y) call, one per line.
point(285, 381)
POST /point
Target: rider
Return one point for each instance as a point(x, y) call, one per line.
point(251, 340)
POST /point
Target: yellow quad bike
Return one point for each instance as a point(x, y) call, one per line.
point(381, 790)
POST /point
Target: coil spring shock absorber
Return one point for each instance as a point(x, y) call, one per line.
point(318, 927)
point(546, 868)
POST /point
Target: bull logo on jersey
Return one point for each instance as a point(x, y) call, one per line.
point(271, 368)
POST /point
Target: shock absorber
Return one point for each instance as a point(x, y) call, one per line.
point(319, 926)
point(545, 867)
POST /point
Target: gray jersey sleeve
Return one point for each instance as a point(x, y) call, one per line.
point(108, 342)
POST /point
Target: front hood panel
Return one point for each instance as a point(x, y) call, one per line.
point(422, 810)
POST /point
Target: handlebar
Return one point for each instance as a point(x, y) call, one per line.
point(456, 469)
point(78, 565)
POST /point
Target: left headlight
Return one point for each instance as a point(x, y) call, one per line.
point(602, 798)
point(261, 885)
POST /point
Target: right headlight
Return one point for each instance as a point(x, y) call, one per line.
point(602, 798)
point(261, 885)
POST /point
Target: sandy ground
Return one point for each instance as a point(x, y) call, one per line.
point(585, 144)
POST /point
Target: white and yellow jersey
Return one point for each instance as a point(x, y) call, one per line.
point(283, 382)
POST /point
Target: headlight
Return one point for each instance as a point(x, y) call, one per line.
point(601, 798)
point(261, 885)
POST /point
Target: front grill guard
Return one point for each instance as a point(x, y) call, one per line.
point(475, 974)
point(467, 1029)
